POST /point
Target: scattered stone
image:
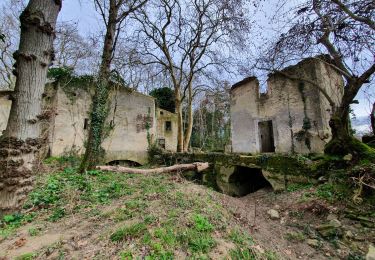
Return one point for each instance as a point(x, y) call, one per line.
point(322, 179)
point(313, 242)
point(371, 253)
point(348, 234)
point(331, 217)
point(330, 229)
point(274, 214)
point(348, 157)
point(335, 223)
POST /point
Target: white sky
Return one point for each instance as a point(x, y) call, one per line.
point(83, 12)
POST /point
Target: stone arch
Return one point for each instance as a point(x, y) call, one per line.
point(241, 180)
point(126, 163)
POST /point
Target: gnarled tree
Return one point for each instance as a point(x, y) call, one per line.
point(22, 140)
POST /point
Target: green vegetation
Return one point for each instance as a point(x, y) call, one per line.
point(295, 236)
point(132, 231)
point(148, 215)
point(164, 98)
point(69, 81)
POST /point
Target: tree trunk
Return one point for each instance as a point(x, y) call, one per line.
point(180, 132)
point(198, 167)
point(342, 141)
point(22, 139)
point(189, 128)
point(100, 106)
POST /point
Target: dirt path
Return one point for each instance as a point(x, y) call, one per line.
point(252, 210)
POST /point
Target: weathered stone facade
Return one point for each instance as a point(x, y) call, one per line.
point(133, 122)
point(292, 116)
point(166, 131)
point(5, 104)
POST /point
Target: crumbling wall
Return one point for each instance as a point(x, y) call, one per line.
point(297, 109)
point(68, 135)
point(131, 124)
point(5, 104)
point(167, 131)
point(243, 108)
point(132, 116)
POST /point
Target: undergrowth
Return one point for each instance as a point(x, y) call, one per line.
point(154, 216)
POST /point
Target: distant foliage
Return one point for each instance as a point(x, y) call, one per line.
point(164, 98)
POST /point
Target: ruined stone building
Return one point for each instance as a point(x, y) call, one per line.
point(133, 122)
point(292, 116)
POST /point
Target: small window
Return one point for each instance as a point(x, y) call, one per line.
point(86, 124)
point(168, 126)
point(161, 143)
point(161, 113)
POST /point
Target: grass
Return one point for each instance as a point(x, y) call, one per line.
point(145, 215)
point(131, 231)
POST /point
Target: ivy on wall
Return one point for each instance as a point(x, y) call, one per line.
point(69, 82)
point(304, 134)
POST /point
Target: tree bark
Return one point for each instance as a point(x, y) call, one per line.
point(180, 129)
point(22, 141)
point(100, 106)
point(342, 141)
point(189, 127)
point(198, 167)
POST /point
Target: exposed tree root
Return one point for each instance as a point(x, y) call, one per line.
point(197, 166)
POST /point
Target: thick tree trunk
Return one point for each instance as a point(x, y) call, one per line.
point(198, 167)
point(189, 127)
point(100, 106)
point(342, 141)
point(180, 129)
point(22, 139)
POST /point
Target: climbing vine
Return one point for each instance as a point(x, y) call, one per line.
point(69, 82)
point(304, 134)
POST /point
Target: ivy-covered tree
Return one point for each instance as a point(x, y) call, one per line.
point(113, 13)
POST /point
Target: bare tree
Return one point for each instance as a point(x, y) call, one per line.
point(72, 49)
point(345, 32)
point(9, 28)
point(184, 38)
point(22, 140)
point(113, 13)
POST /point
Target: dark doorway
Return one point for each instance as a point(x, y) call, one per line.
point(267, 144)
point(125, 163)
point(247, 180)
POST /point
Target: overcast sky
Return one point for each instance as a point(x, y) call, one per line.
point(83, 12)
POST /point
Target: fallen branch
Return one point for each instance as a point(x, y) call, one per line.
point(197, 166)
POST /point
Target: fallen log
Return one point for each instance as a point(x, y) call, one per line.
point(197, 166)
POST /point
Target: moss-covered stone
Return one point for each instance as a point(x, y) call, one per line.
point(279, 170)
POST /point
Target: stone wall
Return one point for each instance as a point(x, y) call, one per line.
point(133, 116)
point(287, 103)
point(68, 134)
point(167, 129)
point(131, 124)
point(5, 105)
